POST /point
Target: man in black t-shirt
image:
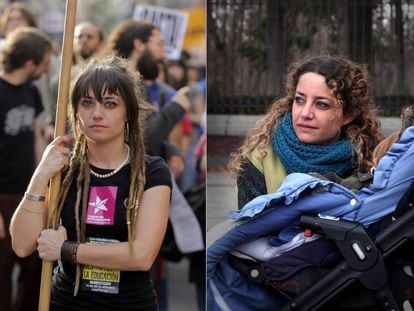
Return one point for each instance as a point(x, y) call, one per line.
point(26, 57)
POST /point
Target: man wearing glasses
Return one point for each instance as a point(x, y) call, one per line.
point(88, 41)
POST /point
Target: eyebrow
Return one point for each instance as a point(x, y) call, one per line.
point(317, 97)
point(110, 96)
point(103, 96)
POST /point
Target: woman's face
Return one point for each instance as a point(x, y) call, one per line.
point(316, 115)
point(102, 122)
point(15, 20)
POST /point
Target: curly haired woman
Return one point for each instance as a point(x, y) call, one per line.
point(325, 123)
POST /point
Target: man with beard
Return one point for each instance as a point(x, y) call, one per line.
point(159, 91)
point(88, 42)
point(26, 56)
point(142, 44)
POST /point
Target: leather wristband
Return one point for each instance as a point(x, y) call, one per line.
point(68, 251)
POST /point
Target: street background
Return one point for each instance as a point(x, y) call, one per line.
point(50, 14)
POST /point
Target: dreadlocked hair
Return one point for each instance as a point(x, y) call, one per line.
point(106, 76)
point(349, 84)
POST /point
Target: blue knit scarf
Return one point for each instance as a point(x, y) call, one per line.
point(297, 156)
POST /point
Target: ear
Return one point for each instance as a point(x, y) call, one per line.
point(139, 46)
point(29, 64)
point(348, 119)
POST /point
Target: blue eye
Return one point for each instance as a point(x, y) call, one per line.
point(110, 104)
point(299, 100)
point(322, 105)
point(86, 102)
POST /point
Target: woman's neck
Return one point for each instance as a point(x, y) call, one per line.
point(105, 156)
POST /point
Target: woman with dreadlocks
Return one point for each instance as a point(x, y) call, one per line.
point(113, 202)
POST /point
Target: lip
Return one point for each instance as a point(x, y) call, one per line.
point(306, 127)
point(97, 126)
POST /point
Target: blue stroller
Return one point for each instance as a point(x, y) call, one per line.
point(355, 253)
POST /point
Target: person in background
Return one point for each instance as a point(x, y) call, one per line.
point(88, 43)
point(141, 42)
point(113, 202)
point(26, 56)
point(185, 138)
point(16, 14)
point(196, 197)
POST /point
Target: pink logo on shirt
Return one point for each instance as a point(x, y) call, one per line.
point(101, 206)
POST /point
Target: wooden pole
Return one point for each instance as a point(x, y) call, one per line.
point(60, 128)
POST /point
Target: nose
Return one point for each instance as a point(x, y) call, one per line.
point(82, 41)
point(163, 53)
point(307, 110)
point(47, 67)
point(97, 111)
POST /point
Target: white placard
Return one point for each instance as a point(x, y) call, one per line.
point(172, 24)
point(187, 230)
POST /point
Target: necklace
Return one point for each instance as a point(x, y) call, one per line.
point(115, 170)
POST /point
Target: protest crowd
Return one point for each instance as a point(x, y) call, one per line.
point(174, 130)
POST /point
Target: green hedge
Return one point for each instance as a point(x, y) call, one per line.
point(390, 105)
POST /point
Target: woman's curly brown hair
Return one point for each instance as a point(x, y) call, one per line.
point(350, 85)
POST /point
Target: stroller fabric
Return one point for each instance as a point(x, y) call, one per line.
point(278, 214)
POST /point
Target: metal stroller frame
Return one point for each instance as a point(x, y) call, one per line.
point(363, 258)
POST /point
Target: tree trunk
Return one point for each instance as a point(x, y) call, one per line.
point(276, 44)
point(360, 31)
point(399, 35)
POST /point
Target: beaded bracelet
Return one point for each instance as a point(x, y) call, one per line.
point(68, 251)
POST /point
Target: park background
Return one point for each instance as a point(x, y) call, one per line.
point(250, 44)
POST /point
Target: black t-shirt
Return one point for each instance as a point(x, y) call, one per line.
point(104, 289)
point(19, 107)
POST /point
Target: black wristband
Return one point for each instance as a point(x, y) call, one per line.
point(68, 251)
